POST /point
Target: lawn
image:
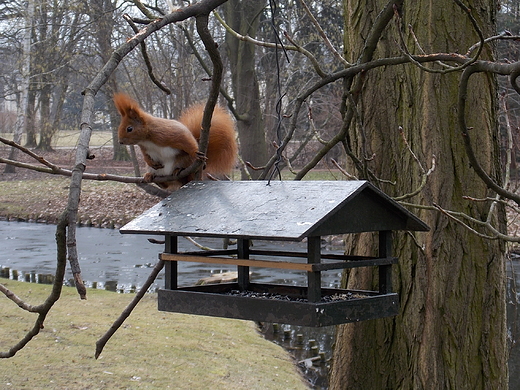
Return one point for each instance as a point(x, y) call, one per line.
point(153, 350)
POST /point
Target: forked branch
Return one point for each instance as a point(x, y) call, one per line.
point(44, 308)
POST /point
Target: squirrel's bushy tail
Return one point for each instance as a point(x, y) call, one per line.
point(222, 149)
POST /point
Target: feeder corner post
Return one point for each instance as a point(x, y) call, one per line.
point(243, 271)
point(314, 277)
point(170, 267)
point(385, 271)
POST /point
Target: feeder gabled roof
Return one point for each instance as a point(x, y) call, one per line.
point(281, 210)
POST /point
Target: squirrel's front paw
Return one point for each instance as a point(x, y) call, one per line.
point(201, 156)
point(148, 177)
point(156, 165)
point(152, 163)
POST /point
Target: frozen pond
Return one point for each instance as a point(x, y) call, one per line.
point(118, 262)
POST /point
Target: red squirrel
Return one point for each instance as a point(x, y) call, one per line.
point(169, 146)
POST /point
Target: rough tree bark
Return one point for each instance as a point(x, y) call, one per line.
point(451, 330)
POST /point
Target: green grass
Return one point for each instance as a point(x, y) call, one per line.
point(153, 350)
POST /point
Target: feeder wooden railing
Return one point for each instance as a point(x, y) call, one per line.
point(314, 267)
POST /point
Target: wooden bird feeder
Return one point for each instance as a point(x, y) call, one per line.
point(248, 211)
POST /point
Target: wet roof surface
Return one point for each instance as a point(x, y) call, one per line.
point(282, 210)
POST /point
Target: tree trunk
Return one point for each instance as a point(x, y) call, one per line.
point(58, 99)
point(101, 12)
point(242, 16)
point(120, 151)
point(451, 331)
point(47, 131)
point(26, 67)
point(30, 125)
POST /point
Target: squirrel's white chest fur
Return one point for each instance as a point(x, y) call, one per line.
point(163, 155)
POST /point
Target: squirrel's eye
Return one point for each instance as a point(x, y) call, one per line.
point(129, 129)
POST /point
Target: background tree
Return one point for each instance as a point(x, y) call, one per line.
point(25, 82)
point(243, 17)
point(101, 14)
point(451, 330)
point(56, 35)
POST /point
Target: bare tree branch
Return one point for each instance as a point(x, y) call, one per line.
point(216, 80)
point(16, 299)
point(465, 131)
point(211, 47)
point(146, 58)
point(100, 344)
point(297, 48)
point(43, 309)
point(323, 36)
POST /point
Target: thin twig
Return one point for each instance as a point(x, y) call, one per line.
point(144, 10)
point(343, 171)
point(323, 36)
point(146, 57)
point(198, 245)
point(296, 48)
point(16, 299)
point(452, 216)
point(100, 344)
point(53, 169)
point(68, 173)
point(30, 153)
point(424, 179)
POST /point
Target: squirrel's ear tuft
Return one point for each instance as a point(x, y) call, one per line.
point(126, 105)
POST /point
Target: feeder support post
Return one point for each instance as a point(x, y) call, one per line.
point(385, 271)
point(170, 267)
point(314, 278)
point(243, 271)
